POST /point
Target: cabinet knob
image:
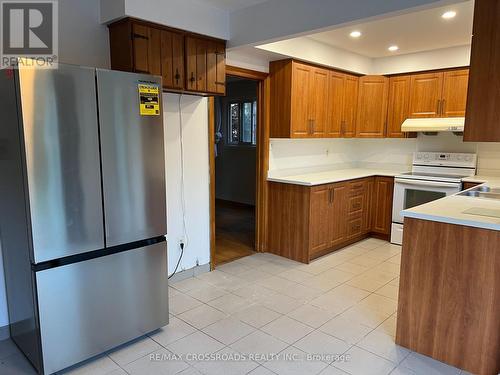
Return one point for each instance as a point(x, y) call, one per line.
point(192, 79)
point(177, 76)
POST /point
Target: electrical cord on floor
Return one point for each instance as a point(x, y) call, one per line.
point(185, 241)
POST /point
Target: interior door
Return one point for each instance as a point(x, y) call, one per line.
point(133, 165)
point(59, 116)
point(425, 95)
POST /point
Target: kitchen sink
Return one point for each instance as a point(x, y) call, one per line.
point(482, 192)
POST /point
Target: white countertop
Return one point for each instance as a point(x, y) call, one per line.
point(331, 176)
point(451, 209)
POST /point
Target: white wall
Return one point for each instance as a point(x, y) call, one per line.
point(436, 59)
point(194, 111)
point(320, 53)
point(189, 15)
point(290, 156)
point(277, 19)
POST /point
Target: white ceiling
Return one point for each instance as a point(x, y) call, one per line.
point(231, 5)
point(412, 32)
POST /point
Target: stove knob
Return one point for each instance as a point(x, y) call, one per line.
point(426, 156)
point(459, 157)
point(468, 158)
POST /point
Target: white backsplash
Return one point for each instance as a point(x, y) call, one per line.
point(291, 156)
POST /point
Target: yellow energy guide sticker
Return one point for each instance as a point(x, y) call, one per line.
point(149, 100)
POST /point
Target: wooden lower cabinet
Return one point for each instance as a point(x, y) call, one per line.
point(449, 294)
point(469, 185)
point(308, 222)
point(382, 206)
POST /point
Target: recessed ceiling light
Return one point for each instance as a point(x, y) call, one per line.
point(355, 34)
point(449, 14)
point(393, 48)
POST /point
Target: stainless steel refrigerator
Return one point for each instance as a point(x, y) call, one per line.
point(82, 220)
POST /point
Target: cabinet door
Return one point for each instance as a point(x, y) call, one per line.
point(172, 59)
point(351, 84)
point(201, 65)
point(425, 95)
point(318, 111)
point(220, 61)
point(382, 215)
point(301, 97)
point(338, 214)
point(335, 104)
point(454, 99)
point(483, 112)
point(191, 63)
point(146, 49)
point(372, 106)
point(319, 218)
point(368, 211)
point(397, 112)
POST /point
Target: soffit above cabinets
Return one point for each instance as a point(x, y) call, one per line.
point(412, 32)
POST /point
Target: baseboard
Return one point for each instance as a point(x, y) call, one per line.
point(4, 332)
point(192, 272)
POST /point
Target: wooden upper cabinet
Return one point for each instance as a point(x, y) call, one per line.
point(172, 59)
point(372, 106)
point(397, 109)
point(454, 97)
point(147, 49)
point(301, 99)
point(482, 120)
point(425, 95)
point(335, 106)
point(318, 106)
point(351, 87)
point(184, 60)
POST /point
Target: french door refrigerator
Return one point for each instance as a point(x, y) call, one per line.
point(82, 218)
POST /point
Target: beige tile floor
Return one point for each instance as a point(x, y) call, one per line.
point(343, 304)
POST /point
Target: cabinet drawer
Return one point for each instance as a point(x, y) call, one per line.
point(356, 203)
point(355, 227)
point(357, 188)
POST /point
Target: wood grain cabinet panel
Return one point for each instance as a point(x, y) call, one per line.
point(449, 294)
point(301, 100)
point(382, 205)
point(338, 214)
point(172, 59)
point(318, 107)
point(454, 97)
point(398, 106)
point(351, 87)
point(336, 88)
point(372, 106)
point(185, 61)
point(320, 208)
point(482, 120)
point(425, 95)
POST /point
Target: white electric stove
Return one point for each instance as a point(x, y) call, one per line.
point(434, 175)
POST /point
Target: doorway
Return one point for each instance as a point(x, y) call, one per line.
point(235, 149)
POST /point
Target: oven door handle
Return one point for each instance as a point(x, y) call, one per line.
point(427, 183)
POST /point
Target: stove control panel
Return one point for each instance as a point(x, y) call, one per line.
point(445, 159)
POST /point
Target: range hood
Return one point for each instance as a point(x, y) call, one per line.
point(449, 124)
